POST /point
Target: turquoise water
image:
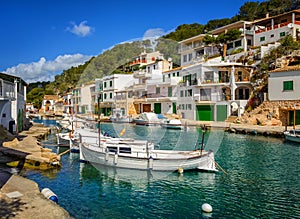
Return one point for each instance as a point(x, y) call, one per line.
point(262, 180)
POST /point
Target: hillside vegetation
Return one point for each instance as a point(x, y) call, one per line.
point(116, 59)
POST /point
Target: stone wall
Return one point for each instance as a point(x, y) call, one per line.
point(272, 113)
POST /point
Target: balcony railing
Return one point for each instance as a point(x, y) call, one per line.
point(7, 89)
point(142, 73)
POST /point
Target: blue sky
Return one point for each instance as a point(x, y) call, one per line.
point(41, 38)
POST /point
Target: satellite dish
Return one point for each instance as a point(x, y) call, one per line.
point(170, 59)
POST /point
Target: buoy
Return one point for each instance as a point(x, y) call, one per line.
point(180, 170)
point(206, 208)
point(49, 195)
point(116, 158)
point(150, 162)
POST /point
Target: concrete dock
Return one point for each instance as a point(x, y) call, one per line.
point(20, 197)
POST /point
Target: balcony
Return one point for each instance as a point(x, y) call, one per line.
point(139, 87)
point(142, 74)
point(7, 90)
point(138, 61)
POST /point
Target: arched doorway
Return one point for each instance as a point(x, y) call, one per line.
point(242, 93)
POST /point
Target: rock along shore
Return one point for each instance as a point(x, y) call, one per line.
point(21, 197)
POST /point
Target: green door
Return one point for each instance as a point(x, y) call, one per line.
point(204, 113)
point(221, 113)
point(157, 108)
point(83, 109)
point(292, 117)
point(174, 108)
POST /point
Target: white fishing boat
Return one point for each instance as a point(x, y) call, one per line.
point(118, 116)
point(147, 118)
point(63, 138)
point(141, 155)
point(172, 124)
point(292, 135)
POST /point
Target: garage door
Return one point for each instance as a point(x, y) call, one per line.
point(157, 108)
point(221, 113)
point(205, 113)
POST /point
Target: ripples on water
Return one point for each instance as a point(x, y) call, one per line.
point(262, 181)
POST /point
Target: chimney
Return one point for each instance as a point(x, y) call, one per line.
point(267, 15)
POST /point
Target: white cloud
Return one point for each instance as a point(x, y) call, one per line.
point(44, 70)
point(81, 30)
point(154, 33)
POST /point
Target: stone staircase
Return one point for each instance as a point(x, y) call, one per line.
point(231, 119)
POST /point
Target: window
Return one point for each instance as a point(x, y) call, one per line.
point(110, 83)
point(262, 39)
point(272, 35)
point(249, 42)
point(240, 76)
point(209, 76)
point(190, 56)
point(238, 43)
point(173, 74)
point(190, 92)
point(189, 106)
point(154, 67)
point(105, 96)
point(104, 84)
point(181, 93)
point(205, 94)
point(110, 95)
point(229, 45)
point(125, 150)
point(164, 78)
point(169, 75)
point(282, 34)
point(178, 74)
point(158, 90)
point(288, 85)
point(185, 58)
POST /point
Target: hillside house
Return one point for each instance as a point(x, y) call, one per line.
point(12, 102)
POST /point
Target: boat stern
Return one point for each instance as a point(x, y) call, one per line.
point(208, 164)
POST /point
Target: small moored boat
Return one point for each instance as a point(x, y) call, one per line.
point(172, 124)
point(292, 135)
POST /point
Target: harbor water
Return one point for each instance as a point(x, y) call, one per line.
point(260, 178)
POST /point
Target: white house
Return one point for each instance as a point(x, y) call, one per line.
point(211, 91)
point(108, 86)
point(284, 84)
point(12, 102)
point(150, 93)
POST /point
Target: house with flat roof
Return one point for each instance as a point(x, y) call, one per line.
point(211, 91)
point(12, 102)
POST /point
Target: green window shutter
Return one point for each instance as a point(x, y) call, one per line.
point(169, 91)
point(288, 85)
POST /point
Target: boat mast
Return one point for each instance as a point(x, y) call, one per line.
point(99, 120)
point(202, 141)
point(294, 116)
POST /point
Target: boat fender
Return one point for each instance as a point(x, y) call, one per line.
point(49, 195)
point(106, 154)
point(206, 208)
point(116, 158)
point(180, 170)
point(150, 162)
